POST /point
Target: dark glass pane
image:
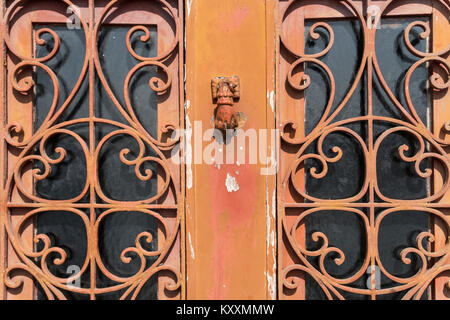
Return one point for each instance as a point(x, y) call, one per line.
point(345, 231)
point(345, 178)
point(118, 181)
point(394, 60)
point(398, 231)
point(119, 231)
point(116, 63)
point(344, 60)
point(396, 178)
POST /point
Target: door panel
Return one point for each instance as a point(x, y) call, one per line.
point(92, 205)
point(230, 252)
point(363, 167)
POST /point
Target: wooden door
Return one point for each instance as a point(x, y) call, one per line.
point(224, 149)
point(363, 181)
point(92, 201)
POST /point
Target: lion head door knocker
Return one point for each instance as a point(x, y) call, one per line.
point(225, 90)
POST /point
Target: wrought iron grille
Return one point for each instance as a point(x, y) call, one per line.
point(35, 155)
point(314, 256)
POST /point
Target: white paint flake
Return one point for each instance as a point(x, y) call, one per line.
point(189, 5)
point(271, 97)
point(188, 153)
point(231, 183)
point(192, 247)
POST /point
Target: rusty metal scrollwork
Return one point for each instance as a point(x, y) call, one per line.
point(432, 262)
point(54, 286)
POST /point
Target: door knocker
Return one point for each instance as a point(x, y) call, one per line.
point(225, 90)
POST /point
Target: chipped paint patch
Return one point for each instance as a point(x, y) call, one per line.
point(267, 213)
point(271, 284)
point(187, 104)
point(191, 246)
point(272, 280)
point(274, 209)
point(188, 153)
point(189, 5)
point(231, 183)
point(271, 97)
point(271, 250)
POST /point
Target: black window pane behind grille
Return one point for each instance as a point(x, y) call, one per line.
point(118, 181)
point(345, 178)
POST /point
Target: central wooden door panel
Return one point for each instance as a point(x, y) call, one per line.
point(230, 252)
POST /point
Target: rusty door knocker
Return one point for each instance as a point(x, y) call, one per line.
point(224, 91)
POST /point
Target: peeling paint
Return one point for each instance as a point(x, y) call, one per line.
point(272, 280)
point(274, 209)
point(189, 5)
point(187, 104)
point(188, 153)
point(231, 183)
point(270, 213)
point(271, 98)
point(192, 247)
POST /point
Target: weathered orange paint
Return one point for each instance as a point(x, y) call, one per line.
point(19, 109)
point(227, 253)
point(232, 222)
point(289, 109)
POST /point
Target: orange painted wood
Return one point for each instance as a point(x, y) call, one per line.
point(291, 107)
point(2, 154)
point(227, 250)
point(271, 200)
point(20, 109)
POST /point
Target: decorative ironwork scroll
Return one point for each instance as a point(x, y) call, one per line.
point(149, 156)
point(370, 205)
